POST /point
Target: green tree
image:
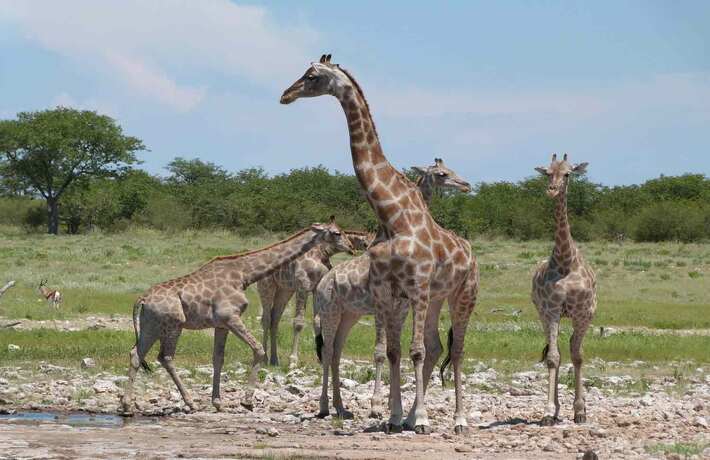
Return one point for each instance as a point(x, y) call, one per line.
point(53, 150)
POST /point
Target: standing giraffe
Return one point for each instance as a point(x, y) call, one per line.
point(564, 285)
point(412, 259)
point(343, 296)
point(213, 296)
point(300, 276)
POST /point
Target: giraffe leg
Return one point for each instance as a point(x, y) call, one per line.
point(330, 323)
point(267, 291)
point(376, 409)
point(168, 344)
point(461, 307)
point(347, 321)
point(148, 335)
point(432, 344)
point(394, 355)
point(220, 339)
point(580, 409)
point(552, 359)
point(238, 328)
point(298, 323)
point(417, 352)
point(280, 302)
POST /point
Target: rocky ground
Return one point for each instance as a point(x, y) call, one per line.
point(629, 417)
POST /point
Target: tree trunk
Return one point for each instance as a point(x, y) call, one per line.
point(53, 211)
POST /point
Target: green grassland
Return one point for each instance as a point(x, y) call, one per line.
point(662, 285)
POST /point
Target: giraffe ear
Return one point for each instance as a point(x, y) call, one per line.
point(580, 168)
point(542, 170)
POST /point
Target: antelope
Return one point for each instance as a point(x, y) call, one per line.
point(53, 296)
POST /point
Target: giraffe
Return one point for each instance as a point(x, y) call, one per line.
point(563, 285)
point(412, 259)
point(343, 296)
point(300, 276)
point(213, 296)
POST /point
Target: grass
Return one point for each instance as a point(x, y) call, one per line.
point(686, 450)
point(639, 285)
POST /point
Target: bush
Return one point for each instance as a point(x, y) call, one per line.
point(672, 221)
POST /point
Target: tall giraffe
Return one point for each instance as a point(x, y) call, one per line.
point(343, 296)
point(413, 258)
point(300, 276)
point(213, 296)
point(564, 285)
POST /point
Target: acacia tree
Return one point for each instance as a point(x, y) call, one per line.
point(53, 150)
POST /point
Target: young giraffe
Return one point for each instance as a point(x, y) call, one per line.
point(564, 285)
point(412, 258)
point(343, 296)
point(213, 296)
point(300, 276)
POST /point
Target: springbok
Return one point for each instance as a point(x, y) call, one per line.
point(53, 296)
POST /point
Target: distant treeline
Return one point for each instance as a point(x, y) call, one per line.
point(197, 194)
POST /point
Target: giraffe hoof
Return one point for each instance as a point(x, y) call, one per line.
point(407, 426)
point(376, 412)
point(391, 428)
point(548, 420)
point(247, 405)
point(191, 407)
point(217, 403)
point(422, 429)
point(580, 418)
point(323, 414)
point(460, 429)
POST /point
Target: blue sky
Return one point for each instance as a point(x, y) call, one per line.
point(492, 87)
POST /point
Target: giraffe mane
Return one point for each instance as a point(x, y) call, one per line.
point(362, 95)
point(256, 251)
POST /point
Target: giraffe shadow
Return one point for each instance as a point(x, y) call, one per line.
point(510, 422)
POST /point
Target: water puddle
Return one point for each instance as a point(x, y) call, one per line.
point(78, 419)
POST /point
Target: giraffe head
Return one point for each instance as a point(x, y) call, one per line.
point(335, 239)
point(559, 173)
point(360, 240)
point(320, 78)
point(439, 176)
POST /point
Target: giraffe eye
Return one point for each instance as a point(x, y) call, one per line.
point(441, 174)
point(312, 77)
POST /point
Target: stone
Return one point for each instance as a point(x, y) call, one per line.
point(463, 449)
point(87, 363)
point(105, 386)
point(295, 390)
point(701, 422)
point(348, 384)
point(12, 347)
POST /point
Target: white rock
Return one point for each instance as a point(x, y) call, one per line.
point(348, 383)
point(105, 386)
point(701, 422)
point(13, 347)
point(3, 382)
point(87, 363)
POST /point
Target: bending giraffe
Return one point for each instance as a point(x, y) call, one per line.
point(414, 261)
point(563, 286)
point(213, 296)
point(343, 296)
point(300, 276)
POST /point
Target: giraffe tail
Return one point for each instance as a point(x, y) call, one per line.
point(319, 347)
point(544, 352)
point(447, 360)
point(136, 328)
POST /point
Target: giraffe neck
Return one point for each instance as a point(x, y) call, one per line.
point(255, 265)
point(565, 250)
point(387, 190)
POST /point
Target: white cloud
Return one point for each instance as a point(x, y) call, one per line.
point(145, 44)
